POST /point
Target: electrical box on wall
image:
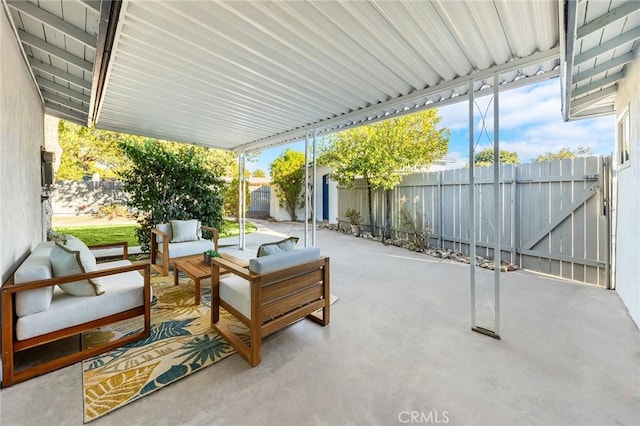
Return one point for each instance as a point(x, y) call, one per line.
point(48, 159)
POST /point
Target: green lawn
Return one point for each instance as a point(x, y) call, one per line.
point(102, 234)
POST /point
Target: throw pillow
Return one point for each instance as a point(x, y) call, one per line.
point(184, 230)
point(277, 247)
point(65, 261)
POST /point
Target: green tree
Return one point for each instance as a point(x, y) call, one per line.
point(564, 153)
point(88, 151)
point(259, 173)
point(485, 157)
point(231, 199)
point(383, 152)
point(287, 174)
point(169, 182)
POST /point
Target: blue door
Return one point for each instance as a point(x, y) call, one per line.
point(325, 198)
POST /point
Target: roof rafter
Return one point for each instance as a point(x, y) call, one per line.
point(65, 102)
point(43, 82)
point(608, 46)
point(585, 102)
point(66, 113)
point(613, 15)
point(606, 66)
point(598, 84)
point(58, 73)
point(54, 22)
point(51, 49)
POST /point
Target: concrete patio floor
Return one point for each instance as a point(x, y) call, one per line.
point(399, 342)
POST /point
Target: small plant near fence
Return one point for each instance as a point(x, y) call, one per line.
point(411, 222)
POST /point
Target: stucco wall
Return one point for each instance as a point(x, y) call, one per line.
point(281, 214)
point(628, 221)
point(21, 136)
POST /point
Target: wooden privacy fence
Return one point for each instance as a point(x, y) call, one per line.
point(555, 216)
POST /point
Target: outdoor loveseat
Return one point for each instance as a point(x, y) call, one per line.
point(36, 310)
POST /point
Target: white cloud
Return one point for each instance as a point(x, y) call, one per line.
point(530, 124)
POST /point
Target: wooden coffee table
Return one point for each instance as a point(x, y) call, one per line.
point(197, 269)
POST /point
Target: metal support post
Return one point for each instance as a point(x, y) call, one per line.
point(472, 212)
point(306, 190)
point(241, 201)
point(497, 258)
point(313, 193)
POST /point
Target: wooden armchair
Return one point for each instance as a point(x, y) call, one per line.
point(164, 252)
point(272, 293)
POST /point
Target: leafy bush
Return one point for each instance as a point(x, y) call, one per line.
point(354, 216)
point(166, 184)
point(231, 201)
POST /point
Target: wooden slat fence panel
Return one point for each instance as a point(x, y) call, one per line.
point(553, 215)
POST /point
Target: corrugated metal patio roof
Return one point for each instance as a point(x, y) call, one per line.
point(244, 75)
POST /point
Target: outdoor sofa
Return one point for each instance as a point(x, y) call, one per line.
point(36, 310)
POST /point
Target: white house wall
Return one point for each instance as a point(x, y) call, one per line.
point(628, 223)
point(21, 136)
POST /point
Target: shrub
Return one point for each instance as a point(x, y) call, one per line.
point(167, 184)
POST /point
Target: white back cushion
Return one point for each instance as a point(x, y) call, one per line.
point(67, 261)
point(264, 264)
point(184, 230)
point(35, 267)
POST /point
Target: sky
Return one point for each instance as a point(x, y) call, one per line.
point(530, 124)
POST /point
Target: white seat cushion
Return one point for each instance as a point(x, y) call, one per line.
point(122, 292)
point(189, 248)
point(236, 292)
point(35, 267)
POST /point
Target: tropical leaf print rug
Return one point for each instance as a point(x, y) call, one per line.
point(181, 342)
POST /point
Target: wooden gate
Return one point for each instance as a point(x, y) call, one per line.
point(555, 214)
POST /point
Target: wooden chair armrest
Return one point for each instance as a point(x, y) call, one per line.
point(159, 233)
point(233, 268)
point(123, 244)
point(216, 235)
point(11, 287)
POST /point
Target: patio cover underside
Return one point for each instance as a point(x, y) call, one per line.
point(246, 75)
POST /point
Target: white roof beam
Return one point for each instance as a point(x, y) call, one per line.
point(43, 82)
point(58, 73)
point(65, 112)
point(598, 84)
point(584, 103)
point(604, 67)
point(65, 102)
point(596, 112)
point(50, 49)
point(613, 15)
point(608, 46)
point(54, 22)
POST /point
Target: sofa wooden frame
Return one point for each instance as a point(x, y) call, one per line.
point(161, 250)
point(11, 346)
point(278, 299)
